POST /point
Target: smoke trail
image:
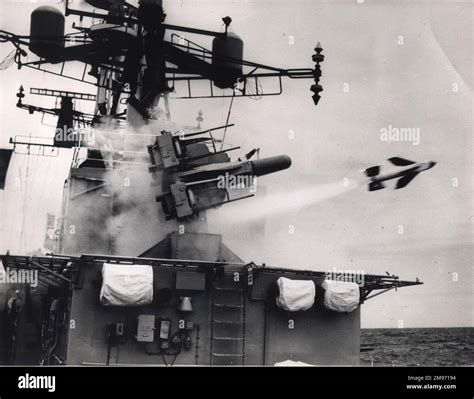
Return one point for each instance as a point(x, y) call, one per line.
point(285, 202)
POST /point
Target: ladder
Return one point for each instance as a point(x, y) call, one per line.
point(228, 321)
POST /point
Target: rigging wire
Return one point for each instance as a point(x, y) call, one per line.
point(228, 117)
point(22, 231)
point(32, 179)
point(11, 220)
point(26, 193)
point(36, 162)
point(42, 189)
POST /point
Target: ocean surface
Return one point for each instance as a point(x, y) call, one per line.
point(417, 347)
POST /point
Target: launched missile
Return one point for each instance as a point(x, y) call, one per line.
point(257, 168)
point(407, 172)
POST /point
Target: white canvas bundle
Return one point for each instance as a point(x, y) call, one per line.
point(292, 363)
point(341, 296)
point(295, 295)
point(126, 285)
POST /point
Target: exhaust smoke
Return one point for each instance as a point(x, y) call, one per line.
point(285, 202)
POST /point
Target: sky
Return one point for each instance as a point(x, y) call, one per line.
point(401, 64)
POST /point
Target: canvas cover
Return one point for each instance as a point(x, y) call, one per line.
point(126, 285)
point(295, 295)
point(292, 363)
point(341, 296)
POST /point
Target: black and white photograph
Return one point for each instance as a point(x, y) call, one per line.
point(283, 186)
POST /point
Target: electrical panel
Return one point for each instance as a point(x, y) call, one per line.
point(146, 328)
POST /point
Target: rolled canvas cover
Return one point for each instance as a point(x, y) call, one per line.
point(295, 295)
point(126, 285)
point(292, 363)
point(341, 296)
